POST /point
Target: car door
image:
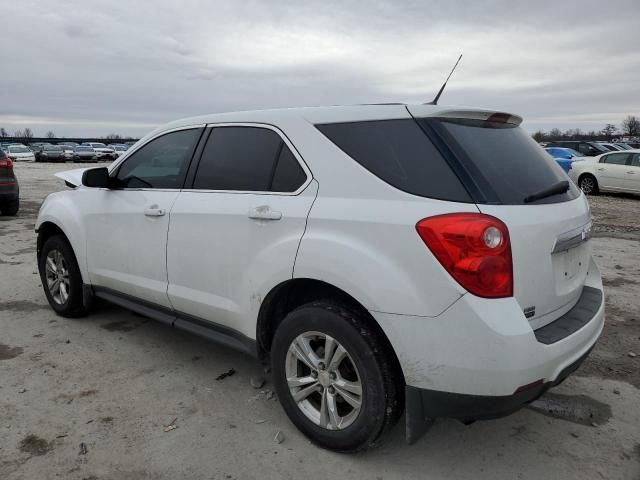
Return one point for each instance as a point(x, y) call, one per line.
point(632, 178)
point(611, 171)
point(235, 232)
point(127, 225)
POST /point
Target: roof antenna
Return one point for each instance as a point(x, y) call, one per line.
point(435, 100)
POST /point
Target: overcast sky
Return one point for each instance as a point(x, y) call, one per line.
point(90, 67)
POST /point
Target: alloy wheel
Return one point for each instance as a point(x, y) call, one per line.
point(587, 185)
point(57, 275)
point(323, 380)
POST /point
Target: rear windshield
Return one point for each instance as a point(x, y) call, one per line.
point(19, 150)
point(398, 152)
point(502, 159)
point(52, 148)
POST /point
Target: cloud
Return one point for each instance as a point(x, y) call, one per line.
point(86, 66)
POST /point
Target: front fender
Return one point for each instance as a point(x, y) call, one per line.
point(60, 210)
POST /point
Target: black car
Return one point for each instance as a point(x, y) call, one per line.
point(588, 149)
point(84, 153)
point(9, 189)
point(50, 153)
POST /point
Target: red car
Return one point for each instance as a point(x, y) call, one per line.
point(9, 190)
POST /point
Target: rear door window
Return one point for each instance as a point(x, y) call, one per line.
point(249, 159)
point(399, 153)
point(501, 159)
point(616, 158)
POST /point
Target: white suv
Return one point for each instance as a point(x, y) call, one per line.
point(381, 258)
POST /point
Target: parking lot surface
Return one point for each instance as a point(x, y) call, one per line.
point(117, 396)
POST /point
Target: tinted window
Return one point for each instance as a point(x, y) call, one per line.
point(238, 158)
point(502, 159)
point(289, 175)
point(398, 152)
point(161, 163)
point(635, 160)
point(615, 158)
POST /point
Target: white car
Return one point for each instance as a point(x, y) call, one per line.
point(609, 172)
point(103, 152)
point(19, 153)
point(381, 258)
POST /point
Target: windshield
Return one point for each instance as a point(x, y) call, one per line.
point(19, 150)
point(84, 149)
point(502, 160)
point(52, 148)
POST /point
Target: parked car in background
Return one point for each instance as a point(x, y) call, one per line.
point(37, 146)
point(50, 153)
point(120, 149)
point(623, 146)
point(563, 156)
point(20, 153)
point(103, 152)
point(612, 147)
point(9, 188)
point(586, 149)
point(68, 150)
point(611, 172)
point(321, 241)
point(84, 153)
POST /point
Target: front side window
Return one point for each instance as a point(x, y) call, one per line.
point(161, 163)
point(250, 159)
point(615, 158)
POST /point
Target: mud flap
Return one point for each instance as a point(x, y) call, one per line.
point(416, 423)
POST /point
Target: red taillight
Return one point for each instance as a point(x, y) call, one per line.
point(6, 163)
point(474, 248)
point(499, 117)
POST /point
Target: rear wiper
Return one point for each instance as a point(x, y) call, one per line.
point(554, 189)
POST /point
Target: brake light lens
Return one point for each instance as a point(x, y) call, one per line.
point(6, 163)
point(474, 248)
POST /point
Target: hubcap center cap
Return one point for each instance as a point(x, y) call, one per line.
point(324, 378)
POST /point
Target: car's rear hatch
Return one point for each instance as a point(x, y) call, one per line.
point(512, 178)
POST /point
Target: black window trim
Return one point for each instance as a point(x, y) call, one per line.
point(114, 168)
point(188, 186)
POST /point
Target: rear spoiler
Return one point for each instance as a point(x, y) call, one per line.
point(422, 111)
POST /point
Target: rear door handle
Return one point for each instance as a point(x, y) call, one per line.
point(631, 173)
point(154, 211)
point(264, 212)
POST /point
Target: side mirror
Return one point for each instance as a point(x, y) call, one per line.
point(96, 178)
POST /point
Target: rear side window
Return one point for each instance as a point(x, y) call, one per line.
point(615, 158)
point(250, 159)
point(398, 152)
point(502, 159)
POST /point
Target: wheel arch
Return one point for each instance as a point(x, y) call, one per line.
point(295, 292)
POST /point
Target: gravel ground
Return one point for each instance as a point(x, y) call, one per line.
point(116, 396)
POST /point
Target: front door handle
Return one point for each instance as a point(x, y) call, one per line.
point(631, 173)
point(154, 211)
point(601, 169)
point(264, 212)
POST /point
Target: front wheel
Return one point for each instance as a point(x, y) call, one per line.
point(335, 376)
point(61, 278)
point(588, 184)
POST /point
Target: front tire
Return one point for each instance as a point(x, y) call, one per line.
point(588, 184)
point(61, 278)
point(335, 376)
point(11, 208)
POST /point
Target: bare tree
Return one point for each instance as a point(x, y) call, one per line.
point(50, 134)
point(609, 130)
point(3, 133)
point(555, 134)
point(631, 126)
point(18, 134)
point(539, 136)
point(27, 133)
point(113, 136)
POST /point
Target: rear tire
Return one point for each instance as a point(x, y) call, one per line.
point(334, 415)
point(11, 208)
point(588, 184)
point(57, 263)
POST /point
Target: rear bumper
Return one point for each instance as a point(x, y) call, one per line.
point(486, 347)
